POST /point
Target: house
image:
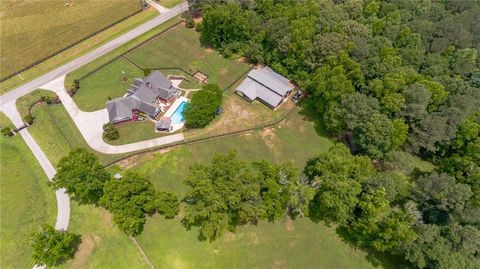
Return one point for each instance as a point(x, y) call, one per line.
point(265, 85)
point(143, 98)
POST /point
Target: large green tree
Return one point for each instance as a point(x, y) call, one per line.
point(82, 175)
point(129, 199)
point(52, 247)
point(203, 106)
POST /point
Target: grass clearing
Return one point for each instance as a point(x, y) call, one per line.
point(180, 47)
point(110, 82)
point(26, 200)
point(55, 132)
point(285, 244)
point(169, 3)
point(131, 132)
point(32, 30)
point(103, 244)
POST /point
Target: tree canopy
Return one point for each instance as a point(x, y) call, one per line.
point(203, 106)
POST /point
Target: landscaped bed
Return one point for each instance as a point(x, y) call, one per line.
point(33, 30)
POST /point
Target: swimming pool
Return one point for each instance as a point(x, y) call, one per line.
point(177, 116)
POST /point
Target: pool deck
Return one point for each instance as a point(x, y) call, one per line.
point(172, 109)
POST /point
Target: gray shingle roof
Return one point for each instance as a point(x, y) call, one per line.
point(141, 96)
point(265, 84)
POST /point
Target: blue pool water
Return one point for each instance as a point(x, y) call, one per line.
point(177, 116)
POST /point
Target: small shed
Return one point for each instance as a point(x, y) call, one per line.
point(163, 125)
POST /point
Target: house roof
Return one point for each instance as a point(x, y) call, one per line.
point(164, 123)
point(142, 96)
point(266, 85)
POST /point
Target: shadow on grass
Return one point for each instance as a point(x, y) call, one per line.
point(377, 259)
point(311, 114)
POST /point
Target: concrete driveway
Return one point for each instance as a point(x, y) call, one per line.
point(91, 124)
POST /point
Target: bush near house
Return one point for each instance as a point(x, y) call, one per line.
point(110, 132)
point(203, 106)
point(28, 119)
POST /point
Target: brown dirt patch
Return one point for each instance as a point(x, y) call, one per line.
point(208, 50)
point(85, 249)
point(269, 137)
point(107, 218)
point(289, 224)
point(229, 236)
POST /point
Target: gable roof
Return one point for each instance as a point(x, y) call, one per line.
point(158, 80)
point(266, 85)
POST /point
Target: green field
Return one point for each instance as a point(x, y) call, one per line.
point(285, 244)
point(131, 132)
point(25, 199)
point(110, 82)
point(33, 30)
point(103, 244)
point(169, 3)
point(54, 130)
point(180, 47)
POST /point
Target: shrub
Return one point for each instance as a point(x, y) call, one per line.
point(198, 27)
point(28, 119)
point(203, 106)
point(110, 132)
point(7, 131)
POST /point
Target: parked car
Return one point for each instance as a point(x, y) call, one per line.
point(297, 96)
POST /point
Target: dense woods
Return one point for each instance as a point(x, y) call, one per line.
point(392, 76)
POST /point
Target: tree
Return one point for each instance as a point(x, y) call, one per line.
point(7, 131)
point(338, 177)
point(221, 195)
point(52, 248)
point(203, 106)
point(167, 204)
point(82, 175)
point(129, 200)
point(110, 132)
point(378, 225)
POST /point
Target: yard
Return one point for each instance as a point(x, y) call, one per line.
point(54, 130)
point(110, 82)
point(33, 30)
point(26, 200)
point(131, 132)
point(169, 3)
point(286, 244)
point(180, 47)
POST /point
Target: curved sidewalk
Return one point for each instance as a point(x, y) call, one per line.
point(91, 124)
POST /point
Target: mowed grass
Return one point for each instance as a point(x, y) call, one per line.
point(26, 200)
point(131, 132)
point(110, 82)
point(284, 244)
point(54, 130)
point(33, 30)
point(169, 3)
point(180, 47)
point(103, 244)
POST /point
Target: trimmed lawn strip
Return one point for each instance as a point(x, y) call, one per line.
point(34, 30)
point(181, 48)
point(79, 49)
point(26, 200)
point(109, 82)
point(105, 59)
point(131, 132)
point(169, 3)
point(103, 244)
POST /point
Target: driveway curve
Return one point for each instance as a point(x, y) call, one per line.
point(90, 124)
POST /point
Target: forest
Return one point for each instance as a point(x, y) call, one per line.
point(392, 77)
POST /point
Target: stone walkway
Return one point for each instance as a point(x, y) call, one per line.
point(91, 124)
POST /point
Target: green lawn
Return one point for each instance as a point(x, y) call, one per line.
point(169, 3)
point(54, 130)
point(25, 199)
point(32, 30)
point(111, 81)
point(285, 244)
point(131, 132)
point(180, 47)
point(103, 244)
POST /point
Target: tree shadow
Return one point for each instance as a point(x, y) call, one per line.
point(310, 113)
point(377, 259)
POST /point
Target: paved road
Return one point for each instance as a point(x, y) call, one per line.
point(82, 60)
point(90, 124)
